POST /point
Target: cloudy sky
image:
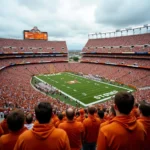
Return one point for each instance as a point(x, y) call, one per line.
point(71, 20)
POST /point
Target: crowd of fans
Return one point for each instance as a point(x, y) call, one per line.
point(132, 43)
point(125, 125)
point(13, 45)
point(7, 62)
point(119, 61)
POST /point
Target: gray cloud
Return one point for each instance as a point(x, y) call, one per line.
point(122, 13)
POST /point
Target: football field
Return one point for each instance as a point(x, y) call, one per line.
point(83, 90)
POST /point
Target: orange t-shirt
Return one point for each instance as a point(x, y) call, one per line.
point(5, 126)
point(146, 123)
point(8, 141)
point(91, 125)
point(134, 112)
point(75, 131)
point(58, 122)
point(55, 119)
point(123, 133)
point(43, 137)
point(80, 118)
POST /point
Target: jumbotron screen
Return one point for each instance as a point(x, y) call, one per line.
point(35, 36)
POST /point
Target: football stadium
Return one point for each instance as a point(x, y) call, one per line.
point(96, 101)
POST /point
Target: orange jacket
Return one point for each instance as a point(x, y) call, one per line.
point(75, 131)
point(43, 137)
point(123, 133)
point(91, 125)
point(146, 123)
point(8, 141)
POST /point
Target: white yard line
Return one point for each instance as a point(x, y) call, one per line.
point(97, 101)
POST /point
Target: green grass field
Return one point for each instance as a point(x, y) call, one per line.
point(80, 89)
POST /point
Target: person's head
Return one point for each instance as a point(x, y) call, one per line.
point(60, 116)
point(29, 119)
point(145, 109)
point(112, 111)
point(5, 115)
point(70, 113)
point(124, 102)
point(77, 114)
point(100, 114)
point(15, 120)
point(81, 111)
point(54, 111)
point(136, 105)
point(91, 110)
point(43, 112)
point(85, 110)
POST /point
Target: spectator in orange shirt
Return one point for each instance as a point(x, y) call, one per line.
point(91, 125)
point(123, 132)
point(81, 117)
point(43, 136)
point(145, 120)
point(54, 116)
point(29, 121)
point(112, 114)
point(60, 117)
point(74, 130)
point(101, 116)
point(135, 111)
point(4, 124)
point(15, 121)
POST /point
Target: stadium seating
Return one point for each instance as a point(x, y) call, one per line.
point(132, 43)
point(126, 61)
point(12, 45)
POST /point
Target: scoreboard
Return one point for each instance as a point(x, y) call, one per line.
point(35, 34)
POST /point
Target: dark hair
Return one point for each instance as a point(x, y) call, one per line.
point(43, 112)
point(112, 110)
point(29, 118)
point(54, 111)
point(101, 114)
point(85, 110)
point(91, 110)
point(5, 115)
point(70, 114)
point(145, 109)
point(124, 102)
point(60, 116)
point(77, 113)
point(136, 105)
point(15, 120)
